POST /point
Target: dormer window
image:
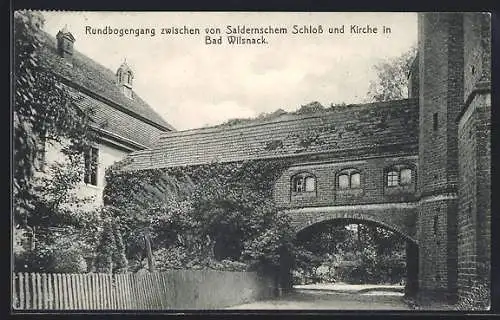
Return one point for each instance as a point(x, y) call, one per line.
point(124, 77)
point(349, 179)
point(303, 183)
point(65, 42)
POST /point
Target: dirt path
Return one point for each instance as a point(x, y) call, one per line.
point(310, 299)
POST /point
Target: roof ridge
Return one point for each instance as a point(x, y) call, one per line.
point(297, 117)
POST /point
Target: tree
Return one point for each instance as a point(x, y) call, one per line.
point(119, 257)
point(392, 77)
point(43, 112)
point(105, 249)
point(111, 256)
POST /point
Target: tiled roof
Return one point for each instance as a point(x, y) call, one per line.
point(129, 130)
point(332, 130)
point(88, 74)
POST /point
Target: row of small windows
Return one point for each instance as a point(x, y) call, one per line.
point(351, 179)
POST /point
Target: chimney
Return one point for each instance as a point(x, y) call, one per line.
point(124, 77)
point(65, 41)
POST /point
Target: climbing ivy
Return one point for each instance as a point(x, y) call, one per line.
point(204, 214)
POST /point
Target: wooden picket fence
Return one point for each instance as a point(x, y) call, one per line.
point(178, 289)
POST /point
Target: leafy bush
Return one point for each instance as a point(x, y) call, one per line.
point(68, 260)
point(19, 241)
point(326, 273)
point(54, 254)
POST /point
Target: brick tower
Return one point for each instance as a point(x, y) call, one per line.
point(441, 91)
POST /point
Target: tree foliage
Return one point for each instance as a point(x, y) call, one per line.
point(222, 215)
point(392, 77)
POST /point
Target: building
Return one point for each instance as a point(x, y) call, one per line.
point(123, 121)
point(419, 166)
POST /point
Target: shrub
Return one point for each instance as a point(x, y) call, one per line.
point(228, 265)
point(478, 299)
point(170, 258)
point(59, 255)
point(68, 260)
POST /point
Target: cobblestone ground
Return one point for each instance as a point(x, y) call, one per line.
point(349, 297)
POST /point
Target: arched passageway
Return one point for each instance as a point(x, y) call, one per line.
point(353, 251)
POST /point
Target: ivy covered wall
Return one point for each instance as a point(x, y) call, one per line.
point(216, 215)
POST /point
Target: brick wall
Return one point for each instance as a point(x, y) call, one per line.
point(474, 215)
point(477, 50)
point(413, 79)
point(370, 202)
point(467, 206)
point(474, 229)
point(433, 238)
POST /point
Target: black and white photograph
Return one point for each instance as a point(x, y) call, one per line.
point(250, 161)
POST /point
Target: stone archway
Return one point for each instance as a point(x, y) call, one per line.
point(398, 217)
point(361, 217)
point(301, 222)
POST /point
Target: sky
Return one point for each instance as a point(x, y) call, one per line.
point(193, 84)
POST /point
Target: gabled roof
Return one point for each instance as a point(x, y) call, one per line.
point(90, 75)
point(332, 130)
